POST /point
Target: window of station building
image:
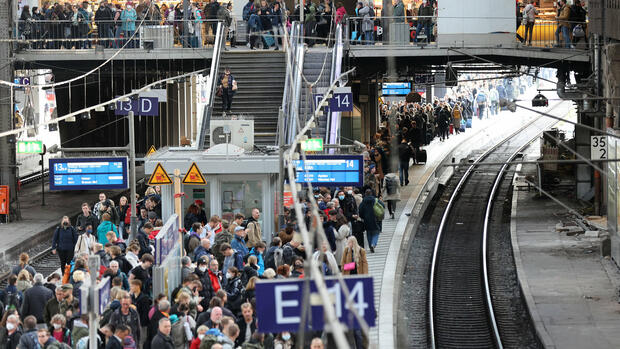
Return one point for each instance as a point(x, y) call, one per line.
point(240, 197)
point(200, 193)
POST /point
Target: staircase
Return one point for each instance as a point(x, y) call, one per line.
point(313, 68)
point(260, 78)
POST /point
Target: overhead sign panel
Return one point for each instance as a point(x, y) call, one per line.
point(279, 303)
point(331, 170)
point(159, 176)
point(29, 147)
point(145, 106)
point(194, 176)
point(312, 144)
point(396, 88)
point(88, 173)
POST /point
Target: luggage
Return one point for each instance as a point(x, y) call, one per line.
point(269, 40)
point(462, 128)
point(420, 156)
point(468, 123)
point(451, 129)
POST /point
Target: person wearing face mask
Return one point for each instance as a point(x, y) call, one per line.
point(11, 337)
point(233, 289)
point(59, 330)
point(283, 341)
point(202, 330)
point(348, 203)
point(63, 242)
point(85, 241)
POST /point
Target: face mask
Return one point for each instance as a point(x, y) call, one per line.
point(350, 192)
point(10, 326)
point(229, 276)
point(65, 224)
point(316, 196)
point(341, 197)
point(286, 337)
point(202, 269)
point(56, 326)
point(201, 336)
point(89, 231)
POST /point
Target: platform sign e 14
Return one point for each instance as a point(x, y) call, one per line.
point(279, 303)
point(88, 173)
point(598, 147)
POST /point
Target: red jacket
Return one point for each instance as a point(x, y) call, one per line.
point(215, 282)
point(195, 343)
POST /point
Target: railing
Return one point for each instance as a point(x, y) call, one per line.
point(293, 84)
point(205, 128)
point(51, 35)
point(427, 31)
point(332, 135)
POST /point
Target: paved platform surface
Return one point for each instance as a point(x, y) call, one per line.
point(569, 287)
point(37, 220)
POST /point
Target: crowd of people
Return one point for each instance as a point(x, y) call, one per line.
point(58, 25)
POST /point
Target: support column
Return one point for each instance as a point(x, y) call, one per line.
point(369, 109)
point(8, 169)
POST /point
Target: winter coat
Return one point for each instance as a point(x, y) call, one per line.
point(361, 265)
point(367, 22)
point(393, 178)
point(255, 233)
point(128, 19)
point(367, 214)
point(234, 290)
point(399, 11)
point(341, 241)
point(103, 229)
point(35, 299)
point(64, 238)
point(82, 221)
point(160, 341)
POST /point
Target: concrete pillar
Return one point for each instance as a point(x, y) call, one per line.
point(583, 172)
point(611, 89)
point(8, 169)
point(369, 108)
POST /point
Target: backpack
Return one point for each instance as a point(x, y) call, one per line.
point(480, 98)
point(208, 341)
point(391, 185)
point(13, 299)
point(178, 333)
point(379, 210)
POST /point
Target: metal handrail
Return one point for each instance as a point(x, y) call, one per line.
point(212, 85)
point(332, 135)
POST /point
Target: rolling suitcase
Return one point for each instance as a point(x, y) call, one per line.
point(451, 129)
point(420, 156)
point(468, 123)
point(462, 128)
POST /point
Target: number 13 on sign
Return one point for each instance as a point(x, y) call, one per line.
point(598, 147)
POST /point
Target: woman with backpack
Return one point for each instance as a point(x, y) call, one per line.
point(63, 242)
point(391, 191)
point(234, 290)
point(372, 217)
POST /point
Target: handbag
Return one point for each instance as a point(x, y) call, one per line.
point(349, 266)
point(578, 31)
point(219, 91)
point(234, 86)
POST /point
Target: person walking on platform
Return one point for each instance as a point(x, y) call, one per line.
point(404, 156)
point(64, 240)
point(391, 192)
point(372, 222)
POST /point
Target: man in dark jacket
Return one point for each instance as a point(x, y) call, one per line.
point(162, 339)
point(125, 315)
point(162, 307)
point(35, 299)
point(372, 224)
point(116, 341)
point(103, 19)
point(52, 307)
point(86, 218)
point(404, 155)
point(424, 21)
point(248, 320)
point(143, 238)
point(28, 339)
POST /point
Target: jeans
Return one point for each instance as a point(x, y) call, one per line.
point(403, 173)
point(128, 34)
point(529, 30)
point(566, 35)
point(368, 38)
point(427, 31)
point(226, 99)
point(373, 238)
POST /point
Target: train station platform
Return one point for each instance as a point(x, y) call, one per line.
point(571, 291)
point(38, 222)
point(387, 264)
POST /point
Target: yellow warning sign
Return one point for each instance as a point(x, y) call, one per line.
point(159, 176)
point(194, 176)
point(151, 151)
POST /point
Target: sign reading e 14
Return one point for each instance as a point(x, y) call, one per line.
point(342, 100)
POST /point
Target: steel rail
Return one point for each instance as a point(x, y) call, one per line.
point(444, 219)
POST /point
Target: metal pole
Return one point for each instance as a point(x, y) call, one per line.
point(42, 180)
point(93, 266)
point(132, 177)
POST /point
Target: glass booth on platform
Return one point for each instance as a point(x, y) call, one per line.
point(234, 183)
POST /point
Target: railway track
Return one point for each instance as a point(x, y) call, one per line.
point(43, 262)
point(462, 311)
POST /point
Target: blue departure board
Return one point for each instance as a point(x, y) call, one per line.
point(331, 170)
point(396, 88)
point(88, 173)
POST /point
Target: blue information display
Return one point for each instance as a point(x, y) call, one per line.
point(88, 173)
point(331, 170)
point(396, 88)
point(279, 303)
